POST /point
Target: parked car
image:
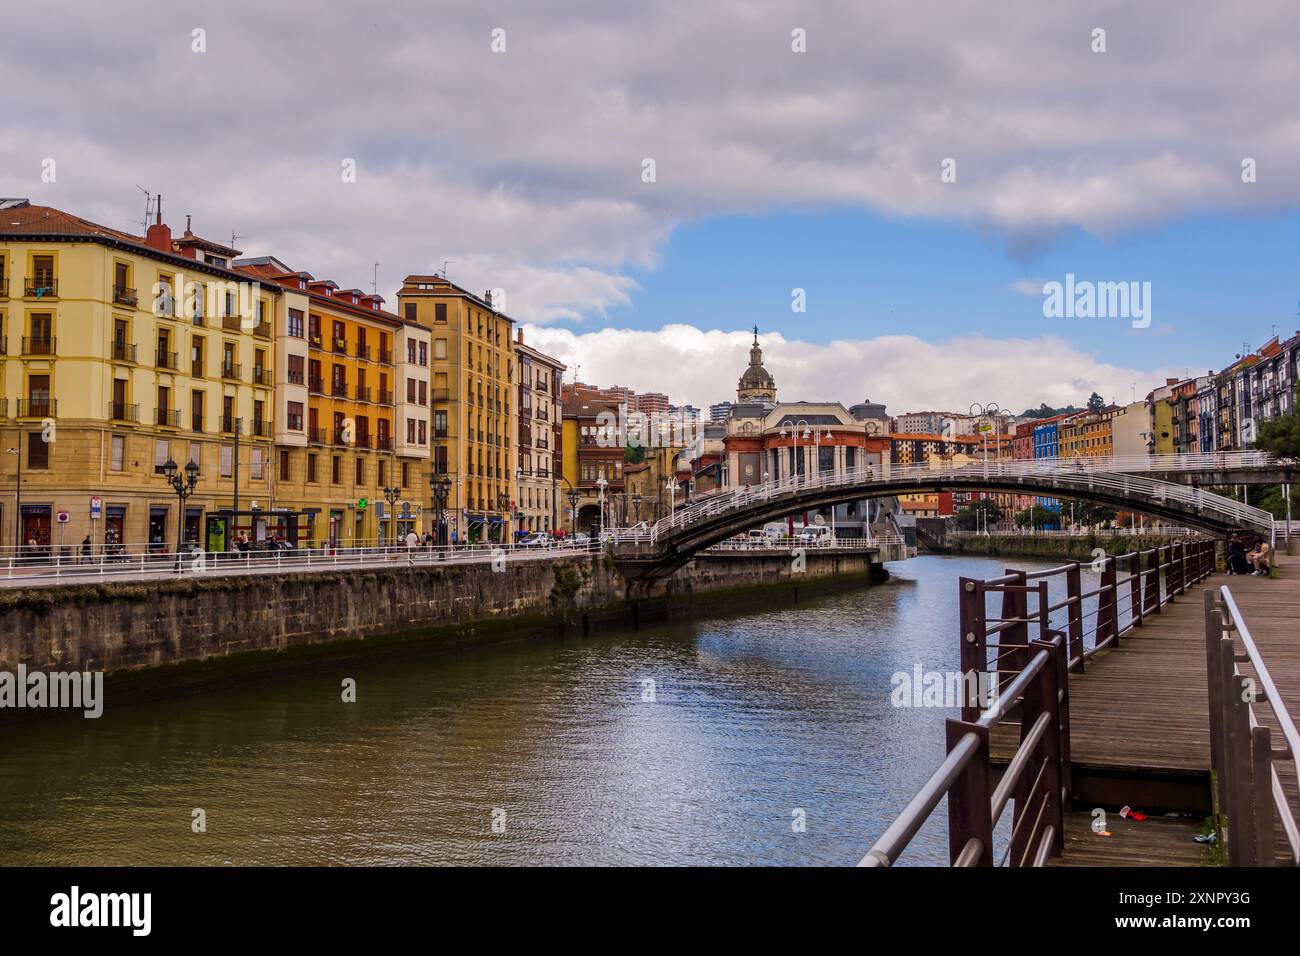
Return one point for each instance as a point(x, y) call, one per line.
point(578, 539)
point(538, 539)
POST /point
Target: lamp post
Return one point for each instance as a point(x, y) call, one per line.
point(989, 411)
point(503, 505)
point(440, 485)
point(672, 486)
point(391, 494)
point(183, 485)
point(601, 484)
point(18, 495)
point(636, 507)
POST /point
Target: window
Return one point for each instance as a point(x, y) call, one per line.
point(196, 410)
point(161, 452)
point(38, 451)
point(410, 390)
point(439, 348)
point(334, 469)
point(424, 353)
point(255, 464)
point(410, 431)
point(295, 416)
point(440, 424)
point(295, 323)
point(423, 432)
point(296, 376)
point(227, 460)
point(284, 464)
point(382, 480)
point(406, 473)
point(410, 311)
point(359, 475)
point(440, 312)
point(424, 393)
point(311, 468)
point(410, 350)
point(116, 453)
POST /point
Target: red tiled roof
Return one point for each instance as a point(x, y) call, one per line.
point(47, 221)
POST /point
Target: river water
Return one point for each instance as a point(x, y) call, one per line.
point(770, 739)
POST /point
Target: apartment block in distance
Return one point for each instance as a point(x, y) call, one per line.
point(538, 438)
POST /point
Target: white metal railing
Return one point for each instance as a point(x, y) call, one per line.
point(1118, 474)
point(1170, 531)
point(24, 569)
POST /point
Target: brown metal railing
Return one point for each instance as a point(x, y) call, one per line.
point(1253, 798)
point(1028, 677)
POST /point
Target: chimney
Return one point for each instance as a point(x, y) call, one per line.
point(159, 235)
point(520, 338)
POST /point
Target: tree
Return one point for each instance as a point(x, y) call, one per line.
point(1095, 402)
point(969, 518)
point(1091, 514)
point(1037, 516)
point(1281, 436)
point(634, 454)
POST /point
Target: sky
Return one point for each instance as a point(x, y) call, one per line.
point(882, 188)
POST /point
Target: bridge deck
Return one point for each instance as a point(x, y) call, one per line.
point(1140, 726)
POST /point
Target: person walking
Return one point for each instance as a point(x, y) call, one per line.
point(85, 550)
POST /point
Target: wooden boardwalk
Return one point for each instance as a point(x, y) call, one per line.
point(1140, 727)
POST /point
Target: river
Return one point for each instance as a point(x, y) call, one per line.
point(764, 738)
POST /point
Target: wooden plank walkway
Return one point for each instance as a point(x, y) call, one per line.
point(1140, 724)
point(1155, 841)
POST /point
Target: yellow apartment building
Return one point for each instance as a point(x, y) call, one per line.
point(471, 372)
point(1088, 434)
point(537, 437)
point(119, 353)
point(340, 454)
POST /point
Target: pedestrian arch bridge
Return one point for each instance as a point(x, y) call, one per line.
point(1162, 486)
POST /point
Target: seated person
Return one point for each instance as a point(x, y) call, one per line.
point(1261, 559)
point(1235, 557)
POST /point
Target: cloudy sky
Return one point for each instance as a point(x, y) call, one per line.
point(774, 171)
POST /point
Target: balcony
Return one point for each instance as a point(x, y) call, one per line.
point(317, 436)
point(383, 397)
point(163, 359)
point(124, 295)
point(341, 346)
point(196, 421)
point(341, 437)
point(196, 369)
point(4, 345)
point(316, 386)
point(339, 389)
point(440, 433)
point(384, 442)
point(262, 330)
point(261, 428)
point(363, 393)
point(385, 357)
point(41, 287)
point(122, 412)
point(123, 351)
point(37, 408)
point(4, 285)
point(231, 370)
point(39, 345)
point(363, 353)
point(314, 340)
point(361, 442)
point(232, 323)
point(441, 394)
point(227, 424)
point(168, 417)
point(262, 376)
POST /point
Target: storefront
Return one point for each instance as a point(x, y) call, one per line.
point(157, 528)
point(36, 525)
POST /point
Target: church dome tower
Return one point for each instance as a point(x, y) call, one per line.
point(757, 384)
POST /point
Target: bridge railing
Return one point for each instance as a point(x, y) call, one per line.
point(1033, 778)
point(1116, 475)
point(1045, 624)
point(1253, 795)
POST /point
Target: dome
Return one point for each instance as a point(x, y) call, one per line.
point(756, 383)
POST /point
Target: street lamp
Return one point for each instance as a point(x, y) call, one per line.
point(795, 428)
point(573, 509)
point(503, 506)
point(184, 486)
point(441, 488)
point(601, 485)
point(672, 486)
point(989, 411)
point(18, 496)
point(636, 507)
point(391, 495)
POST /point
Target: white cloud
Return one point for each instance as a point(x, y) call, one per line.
point(1027, 287)
point(530, 160)
point(700, 367)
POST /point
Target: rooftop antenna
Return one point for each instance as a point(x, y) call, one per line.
point(148, 208)
point(234, 238)
point(444, 266)
point(374, 284)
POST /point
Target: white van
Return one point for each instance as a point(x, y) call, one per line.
point(815, 535)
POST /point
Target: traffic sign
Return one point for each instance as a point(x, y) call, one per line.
point(62, 517)
point(96, 506)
